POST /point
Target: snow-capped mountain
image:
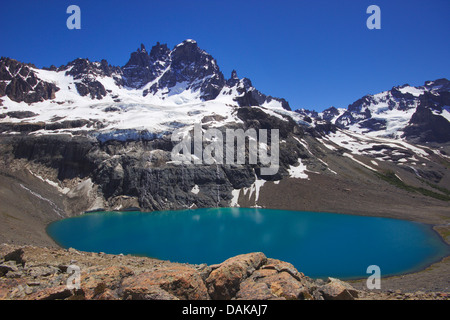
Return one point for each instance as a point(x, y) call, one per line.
point(155, 91)
point(420, 114)
point(186, 74)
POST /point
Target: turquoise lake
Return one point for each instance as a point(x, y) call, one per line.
point(317, 244)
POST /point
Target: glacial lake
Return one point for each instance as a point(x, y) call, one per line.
point(317, 244)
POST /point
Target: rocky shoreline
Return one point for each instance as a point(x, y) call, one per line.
point(39, 273)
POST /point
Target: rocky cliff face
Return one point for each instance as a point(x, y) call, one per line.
point(142, 170)
point(144, 67)
point(20, 84)
point(428, 124)
point(86, 73)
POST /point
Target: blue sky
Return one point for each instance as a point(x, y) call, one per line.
point(315, 54)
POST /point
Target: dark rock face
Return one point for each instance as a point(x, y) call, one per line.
point(157, 186)
point(67, 155)
point(186, 64)
point(20, 83)
point(142, 172)
point(86, 72)
point(249, 96)
point(258, 119)
point(92, 87)
point(330, 113)
point(426, 124)
point(80, 68)
point(374, 124)
point(289, 152)
point(440, 85)
point(234, 79)
point(191, 65)
point(20, 114)
point(143, 67)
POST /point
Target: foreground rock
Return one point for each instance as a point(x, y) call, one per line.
point(36, 273)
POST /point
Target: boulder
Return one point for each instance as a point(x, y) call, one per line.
point(53, 293)
point(275, 280)
point(224, 281)
point(336, 289)
point(174, 281)
point(101, 283)
point(143, 291)
point(8, 266)
point(15, 255)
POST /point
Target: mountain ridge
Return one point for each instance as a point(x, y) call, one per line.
point(420, 114)
point(185, 70)
point(187, 75)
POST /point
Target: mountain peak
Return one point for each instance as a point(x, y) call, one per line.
point(186, 42)
point(159, 51)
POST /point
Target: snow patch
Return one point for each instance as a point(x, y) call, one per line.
point(235, 197)
point(195, 189)
point(298, 172)
point(359, 162)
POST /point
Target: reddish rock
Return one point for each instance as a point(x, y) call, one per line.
point(223, 282)
point(251, 290)
point(336, 289)
point(135, 289)
point(275, 280)
point(107, 294)
point(95, 283)
point(54, 293)
point(282, 266)
point(180, 281)
point(7, 286)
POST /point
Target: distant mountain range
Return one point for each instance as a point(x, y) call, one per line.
point(420, 114)
point(189, 75)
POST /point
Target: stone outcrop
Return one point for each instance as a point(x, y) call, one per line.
point(144, 67)
point(173, 282)
point(85, 74)
point(37, 273)
point(20, 83)
point(336, 289)
point(427, 124)
point(225, 279)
